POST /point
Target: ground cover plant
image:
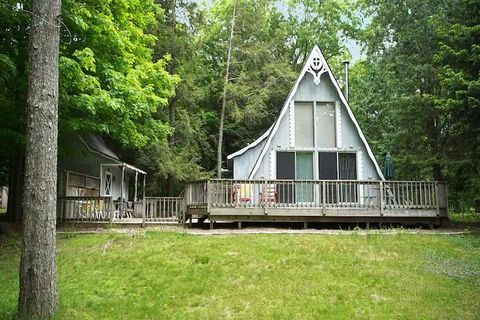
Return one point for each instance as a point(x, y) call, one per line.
point(174, 275)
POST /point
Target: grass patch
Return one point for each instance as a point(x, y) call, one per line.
point(171, 275)
point(468, 216)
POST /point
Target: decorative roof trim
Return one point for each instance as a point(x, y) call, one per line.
point(251, 145)
point(316, 53)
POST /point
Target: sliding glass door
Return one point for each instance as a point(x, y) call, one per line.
point(347, 170)
point(304, 171)
point(285, 171)
point(291, 166)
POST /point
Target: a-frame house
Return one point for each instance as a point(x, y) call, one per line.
point(315, 136)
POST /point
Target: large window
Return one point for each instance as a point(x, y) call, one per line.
point(304, 124)
point(325, 125)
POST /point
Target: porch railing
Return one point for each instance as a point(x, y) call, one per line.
point(164, 209)
point(85, 209)
point(327, 194)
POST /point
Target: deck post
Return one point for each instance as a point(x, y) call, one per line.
point(122, 191)
point(324, 194)
point(112, 211)
point(135, 197)
point(239, 224)
point(208, 196)
point(305, 225)
point(211, 225)
point(381, 198)
point(437, 204)
point(144, 205)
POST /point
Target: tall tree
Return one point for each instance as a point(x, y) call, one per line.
point(224, 95)
point(37, 297)
point(417, 91)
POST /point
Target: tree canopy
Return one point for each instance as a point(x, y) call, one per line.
point(150, 74)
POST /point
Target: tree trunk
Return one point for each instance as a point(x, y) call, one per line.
point(224, 98)
point(37, 297)
point(171, 142)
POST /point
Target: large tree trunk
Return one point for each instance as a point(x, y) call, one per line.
point(224, 98)
point(37, 297)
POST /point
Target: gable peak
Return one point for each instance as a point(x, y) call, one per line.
point(316, 64)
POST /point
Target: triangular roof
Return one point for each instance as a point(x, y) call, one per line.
point(316, 65)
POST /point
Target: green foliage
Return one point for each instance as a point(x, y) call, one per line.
point(173, 275)
point(417, 92)
point(109, 82)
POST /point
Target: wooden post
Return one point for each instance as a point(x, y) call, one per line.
point(381, 198)
point(211, 225)
point(143, 201)
point(437, 204)
point(135, 198)
point(121, 192)
point(239, 224)
point(112, 211)
point(305, 225)
point(324, 194)
point(208, 196)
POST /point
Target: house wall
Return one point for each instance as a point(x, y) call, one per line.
point(116, 186)
point(76, 157)
point(346, 135)
point(242, 169)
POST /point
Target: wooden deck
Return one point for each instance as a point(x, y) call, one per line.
point(150, 210)
point(272, 200)
point(316, 201)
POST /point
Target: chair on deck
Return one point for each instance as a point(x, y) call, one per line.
point(241, 193)
point(268, 194)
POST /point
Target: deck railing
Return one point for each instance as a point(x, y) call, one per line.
point(85, 209)
point(196, 194)
point(327, 194)
point(166, 209)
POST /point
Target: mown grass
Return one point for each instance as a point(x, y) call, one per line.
point(171, 275)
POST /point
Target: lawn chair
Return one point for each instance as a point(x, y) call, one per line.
point(242, 193)
point(268, 195)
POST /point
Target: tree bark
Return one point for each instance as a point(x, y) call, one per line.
point(37, 297)
point(224, 97)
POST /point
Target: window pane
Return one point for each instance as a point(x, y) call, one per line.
point(304, 191)
point(325, 125)
point(303, 124)
point(327, 165)
point(327, 170)
point(347, 166)
point(285, 170)
point(347, 170)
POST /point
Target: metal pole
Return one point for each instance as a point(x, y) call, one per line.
point(345, 64)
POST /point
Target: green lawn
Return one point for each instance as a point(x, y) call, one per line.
point(171, 275)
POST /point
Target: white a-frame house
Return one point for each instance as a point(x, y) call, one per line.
point(315, 137)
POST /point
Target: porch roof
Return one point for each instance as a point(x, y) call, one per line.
point(125, 165)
